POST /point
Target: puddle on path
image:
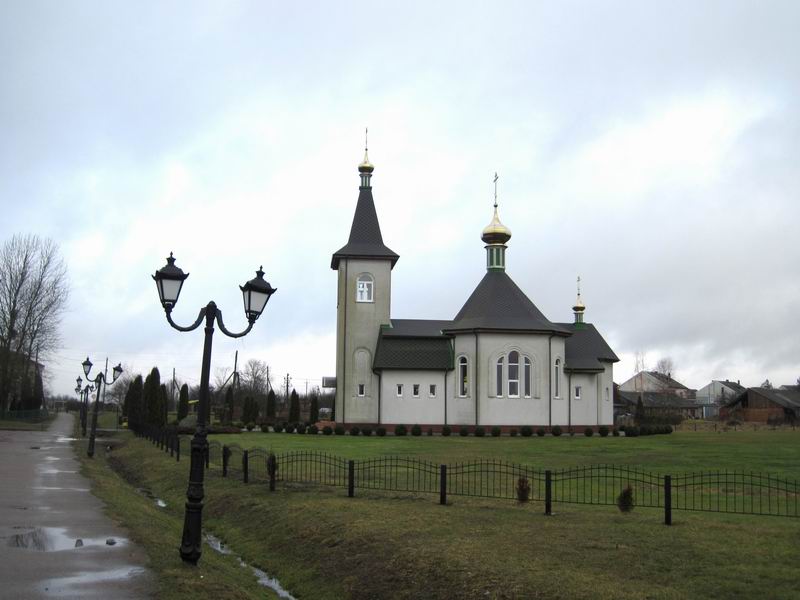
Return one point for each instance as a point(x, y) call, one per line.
point(66, 439)
point(51, 458)
point(63, 489)
point(263, 578)
point(160, 503)
point(57, 585)
point(55, 539)
point(51, 471)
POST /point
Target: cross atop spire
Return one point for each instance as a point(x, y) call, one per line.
point(366, 138)
point(495, 188)
point(366, 168)
point(579, 307)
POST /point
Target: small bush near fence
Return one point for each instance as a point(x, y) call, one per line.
point(603, 431)
point(301, 428)
point(540, 432)
point(380, 431)
point(463, 431)
point(277, 428)
point(615, 432)
point(526, 431)
point(339, 430)
point(513, 433)
point(446, 431)
point(327, 430)
point(416, 430)
point(367, 431)
point(289, 427)
point(556, 431)
point(588, 432)
point(625, 499)
point(523, 489)
point(264, 428)
point(312, 429)
point(495, 432)
point(354, 431)
point(400, 430)
point(480, 431)
point(251, 426)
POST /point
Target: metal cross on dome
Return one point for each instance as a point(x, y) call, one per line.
point(495, 188)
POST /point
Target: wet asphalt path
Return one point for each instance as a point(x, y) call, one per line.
point(45, 506)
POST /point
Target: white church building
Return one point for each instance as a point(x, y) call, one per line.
point(498, 362)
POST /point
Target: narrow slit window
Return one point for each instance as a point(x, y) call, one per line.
point(513, 374)
point(557, 377)
point(399, 390)
point(527, 377)
point(432, 390)
point(499, 376)
point(577, 392)
point(415, 390)
point(463, 373)
point(361, 389)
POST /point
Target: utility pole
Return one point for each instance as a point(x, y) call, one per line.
point(286, 398)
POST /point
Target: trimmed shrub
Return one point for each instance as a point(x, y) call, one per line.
point(632, 431)
point(496, 431)
point(400, 430)
point(603, 431)
point(622, 428)
point(625, 500)
point(339, 430)
point(290, 427)
point(354, 430)
point(416, 430)
point(251, 426)
point(540, 431)
point(526, 431)
point(367, 431)
point(463, 431)
point(523, 489)
point(669, 429)
point(238, 425)
point(513, 433)
point(588, 431)
point(264, 428)
point(277, 428)
point(615, 432)
point(380, 431)
point(312, 430)
point(446, 431)
point(556, 430)
point(479, 431)
point(327, 430)
point(430, 430)
point(301, 428)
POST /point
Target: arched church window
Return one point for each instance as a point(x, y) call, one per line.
point(463, 373)
point(499, 374)
point(364, 288)
point(557, 377)
point(527, 377)
point(513, 374)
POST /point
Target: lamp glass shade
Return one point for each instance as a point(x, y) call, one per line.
point(255, 294)
point(77, 390)
point(117, 372)
point(87, 366)
point(169, 280)
point(79, 381)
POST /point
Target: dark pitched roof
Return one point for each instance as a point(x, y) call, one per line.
point(497, 303)
point(416, 328)
point(586, 348)
point(786, 398)
point(413, 353)
point(656, 400)
point(733, 386)
point(667, 380)
point(365, 240)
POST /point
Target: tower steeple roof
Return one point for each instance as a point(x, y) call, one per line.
point(365, 239)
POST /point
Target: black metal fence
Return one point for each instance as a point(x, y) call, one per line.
point(720, 491)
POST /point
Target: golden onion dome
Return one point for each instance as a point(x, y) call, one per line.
point(366, 166)
point(579, 306)
point(495, 232)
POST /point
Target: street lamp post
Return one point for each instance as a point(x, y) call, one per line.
point(256, 293)
point(79, 392)
point(84, 403)
point(100, 384)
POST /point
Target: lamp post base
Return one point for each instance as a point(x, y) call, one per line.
point(191, 541)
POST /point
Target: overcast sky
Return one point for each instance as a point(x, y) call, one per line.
point(649, 147)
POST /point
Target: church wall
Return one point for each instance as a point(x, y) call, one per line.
point(585, 409)
point(461, 411)
point(408, 410)
point(363, 322)
point(560, 414)
point(607, 400)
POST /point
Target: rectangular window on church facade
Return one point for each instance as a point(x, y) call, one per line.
point(361, 390)
point(399, 390)
point(432, 390)
point(415, 390)
point(577, 392)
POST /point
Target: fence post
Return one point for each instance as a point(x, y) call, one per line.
point(245, 464)
point(548, 493)
point(178, 448)
point(351, 478)
point(272, 468)
point(226, 453)
point(208, 455)
point(443, 484)
point(667, 500)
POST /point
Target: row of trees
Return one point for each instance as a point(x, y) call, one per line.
point(33, 296)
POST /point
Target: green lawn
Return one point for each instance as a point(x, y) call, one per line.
point(776, 452)
point(321, 544)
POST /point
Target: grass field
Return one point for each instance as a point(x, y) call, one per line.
point(776, 452)
point(321, 544)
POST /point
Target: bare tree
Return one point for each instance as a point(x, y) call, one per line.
point(256, 377)
point(665, 366)
point(116, 393)
point(33, 296)
point(639, 367)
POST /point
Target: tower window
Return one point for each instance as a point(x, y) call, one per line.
point(607, 395)
point(513, 374)
point(361, 389)
point(415, 390)
point(364, 288)
point(577, 392)
point(432, 390)
point(463, 373)
point(527, 377)
point(499, 373)
point(399, 390)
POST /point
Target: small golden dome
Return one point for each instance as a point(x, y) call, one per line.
point(495, 232)
point(366, 166)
